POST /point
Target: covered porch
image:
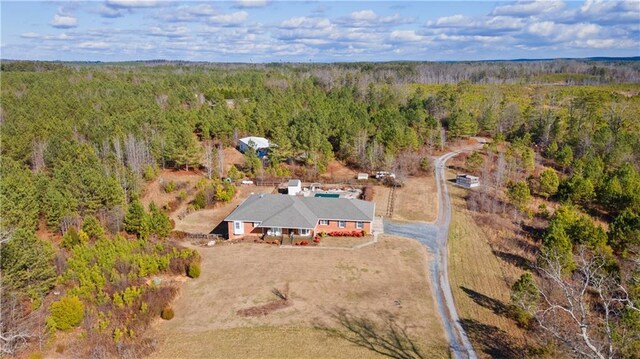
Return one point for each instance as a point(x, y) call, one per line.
point(288, 236)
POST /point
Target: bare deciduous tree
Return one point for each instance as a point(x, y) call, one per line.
point(581, 309)
point(37, 156)
point(208, 157)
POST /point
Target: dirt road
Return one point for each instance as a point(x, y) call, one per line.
point(434, 237)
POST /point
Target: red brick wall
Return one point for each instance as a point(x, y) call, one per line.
point(248, 229)
point(332, 227)
point(350, 226)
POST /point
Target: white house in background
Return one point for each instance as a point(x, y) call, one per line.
point(294, 187)
point(259, 144)
point(363, 176)
point(467, 181)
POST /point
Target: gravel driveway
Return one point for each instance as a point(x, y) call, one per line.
point(434, 237)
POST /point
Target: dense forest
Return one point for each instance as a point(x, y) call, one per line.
point(80, 140)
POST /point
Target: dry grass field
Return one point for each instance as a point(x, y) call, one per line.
point(338, 171)
point(480, 281)
point(385, 281)
point(417, 200)
point(344, 242)
point(381, 198)
point(204, 221)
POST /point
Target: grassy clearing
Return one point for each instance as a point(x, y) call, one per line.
point(268, 342)
point(389, 277)
point(204, 221)
point(417, 200)
point(480, 281)
point(381, 199)
point(344, 242)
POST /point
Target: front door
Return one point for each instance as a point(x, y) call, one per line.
point(238, 227)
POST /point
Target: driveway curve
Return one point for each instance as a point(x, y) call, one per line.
point(434, 237)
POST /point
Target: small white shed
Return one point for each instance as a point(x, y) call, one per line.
point(363, 176)
point(294, 187)
point(467, 181)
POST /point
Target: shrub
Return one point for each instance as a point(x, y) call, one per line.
point(73, 238)
point(304, 243)
point(170, 187)
point(66, 313)
point(167, 313)
point(194, 270)
point(200, 201)
point(182, 195)
point(149, 172)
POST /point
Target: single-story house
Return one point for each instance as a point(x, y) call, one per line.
point(467, 181)
point(259, 144)
point(280, 215)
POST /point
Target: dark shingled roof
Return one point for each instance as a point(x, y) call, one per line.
point(275, 210)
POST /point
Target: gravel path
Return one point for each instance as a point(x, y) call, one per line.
point(434, 237)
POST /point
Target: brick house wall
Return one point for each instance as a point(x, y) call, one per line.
point(333, 226)
point(350, 226)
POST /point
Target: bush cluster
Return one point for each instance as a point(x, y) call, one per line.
point(167, 313)
point(66, 313)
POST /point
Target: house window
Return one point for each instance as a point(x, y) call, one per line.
point(255, 224)
point(237, 224)
point(342, 224)
point(304, 232)
point(275, 231)
point(324, 222)
point(359, 225)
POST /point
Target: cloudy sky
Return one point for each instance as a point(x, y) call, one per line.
point(317, 31)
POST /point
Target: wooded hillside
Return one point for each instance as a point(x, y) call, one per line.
point(79, 141)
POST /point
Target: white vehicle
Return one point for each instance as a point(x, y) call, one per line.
point(383, 174)
point(247, 182)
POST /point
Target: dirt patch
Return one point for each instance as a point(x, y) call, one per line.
point(390, 276)
point(204, 221)
point(232, 157)
point(417, 200)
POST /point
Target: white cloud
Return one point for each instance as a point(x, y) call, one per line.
point(368, 18)
point(93, 45)
point(62, 21)
point(554, 32)
point(250, 3)
point(173, 31)
point(35, 35)
point(129, 4)
point(529, 8)
point(605, 43)
point(186, 13)
point(305, 22)
point(364, 15)
point(405, 36)
point(232, 19)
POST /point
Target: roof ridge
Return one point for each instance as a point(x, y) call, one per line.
point(282, 209)
point(352, 200)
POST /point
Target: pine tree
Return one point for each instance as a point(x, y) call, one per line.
point(549, 182)
point(135, 218)
point(27, 265)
